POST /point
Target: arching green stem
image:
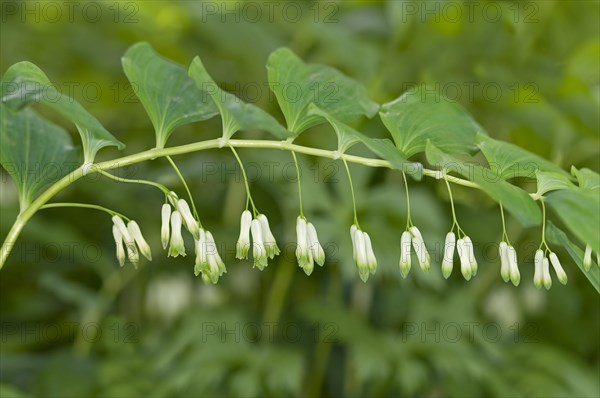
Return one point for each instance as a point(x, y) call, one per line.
point(86, 206)
point(248, 195)
point(164, 189)
point(352, 191)
point(299, 184)
point(187, 189)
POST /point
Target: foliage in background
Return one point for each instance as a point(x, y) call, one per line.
point(389, 337)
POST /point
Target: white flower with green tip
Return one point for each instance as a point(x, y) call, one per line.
point(259, 252)
point(463, 255)
point(188, 219)
point(316, 250)
point(268, 238)
point(136, 234)
point(504, 262)
point(119, 244)
point(165, 225)
point(538, 273)
point(560, 272)
point(420, 248)
point(448, 260)
point(132, 252)
point(176, 246)
point(546, 278)
point(243, 244)
point(471, 254)
point(515, 276)
point(405, 247)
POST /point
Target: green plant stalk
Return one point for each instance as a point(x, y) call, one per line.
point(75, 175)
point(85, 206)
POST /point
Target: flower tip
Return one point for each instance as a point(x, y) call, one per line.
point(364, 276)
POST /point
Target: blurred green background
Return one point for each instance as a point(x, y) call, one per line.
point(75, 324)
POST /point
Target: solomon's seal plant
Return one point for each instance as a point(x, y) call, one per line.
point(423, 127)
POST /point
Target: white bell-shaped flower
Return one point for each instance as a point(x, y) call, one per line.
point(259, 251)
point(546, 278)
point(243, 244)
point(316, 250)
point(448, 259)
point(463, 255)
point(515, 276)
point(371, 260)
point(560, 272)
point(504, 262)
point(420, 249)
point(188, 219)
point(176, 246)
point(471, 254)
point(302, 249)
point(132, 252)
point(136, 234)
point(119, 244)
point(165, 230)
point(405, 247)
point(538, 273)
point(208, 260)
point(268, 238)
point(361, 253)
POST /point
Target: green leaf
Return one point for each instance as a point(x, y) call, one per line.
point(236, 114)
point(384, 148)
point(297, 84)
point(557, 236)
point(550, 181)
point(420, 115)
point(24, 83)
point(167, 93)
point(513, 198)
point(579, 210)
point(586, 178)
point(33, 151)
point(510, 161)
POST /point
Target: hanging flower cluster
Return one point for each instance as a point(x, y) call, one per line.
point(129, 239)
point(264, 246)
point(255, 233)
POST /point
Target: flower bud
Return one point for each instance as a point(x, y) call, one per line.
point(302, 250)
point(538, 274)
point(463, 255)
point(258, 247)
point(504, 262)
point(546, 278)
point(164, 229)
point(420, 249)
point(318, 254)
point(119, 244)
point(360, 251)
point(136, 234)
point(353, 230)
point(243, 244)
point(560, 272)
point(448, 260)
point(371, 260)
point(177, 246)
point(268, 238)
point(132, 253)
point(405, 244)
point(471, 254)
point(201, 253)
point(515, 276)
point(188, 219)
